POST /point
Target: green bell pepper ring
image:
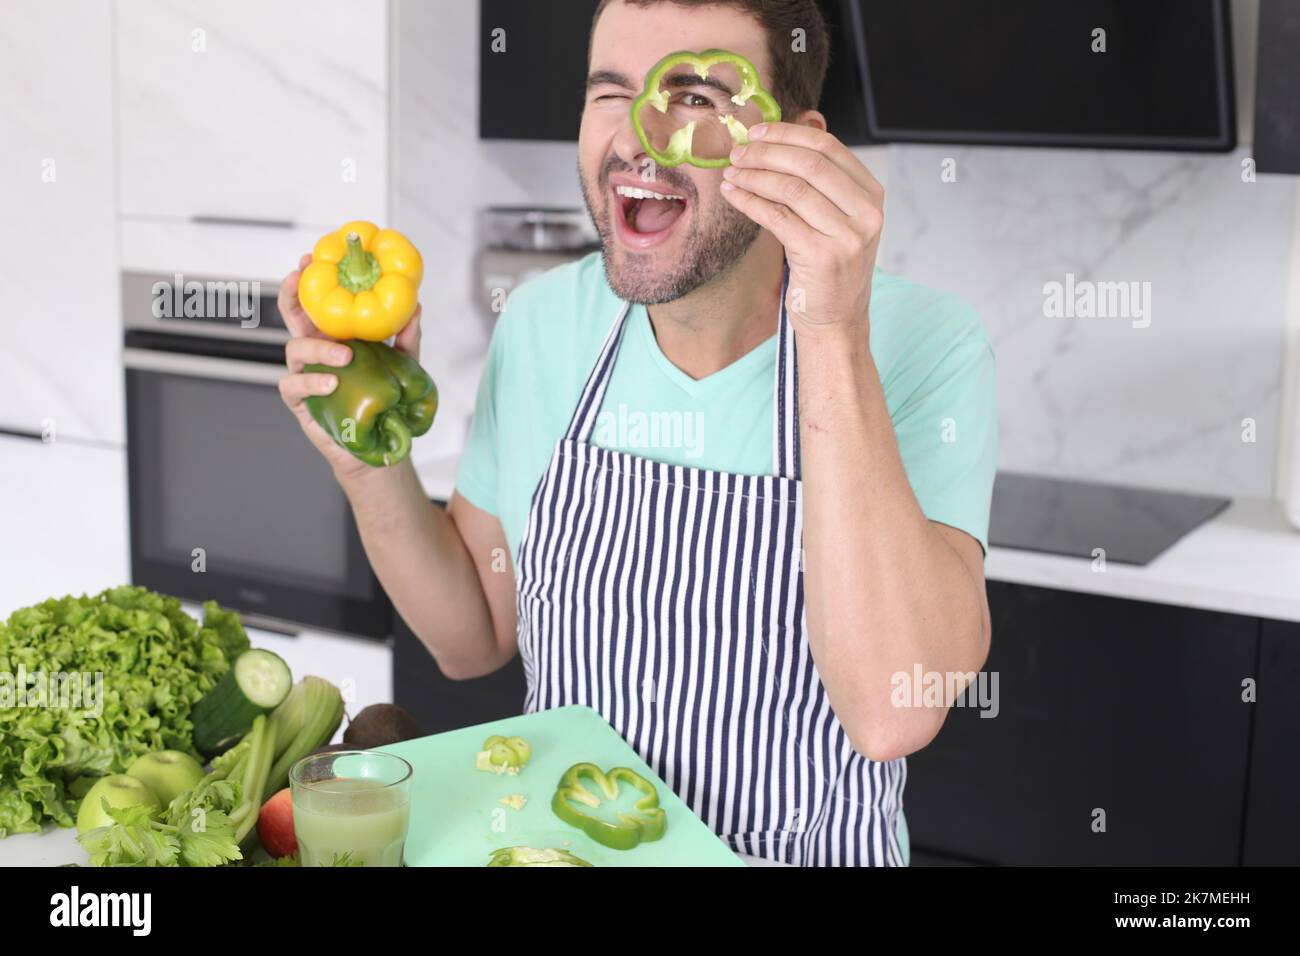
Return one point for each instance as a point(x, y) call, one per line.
point(528, 856)
point(678, 148)
point(573, 803)
point(383, 400)
point(503, 754)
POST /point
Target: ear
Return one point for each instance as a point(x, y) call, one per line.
point(808, 118)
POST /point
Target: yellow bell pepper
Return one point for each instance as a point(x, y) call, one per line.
point(362, 282)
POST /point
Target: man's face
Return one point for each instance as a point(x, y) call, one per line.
point(657, 250)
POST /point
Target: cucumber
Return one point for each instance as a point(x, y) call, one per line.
point(255, 685)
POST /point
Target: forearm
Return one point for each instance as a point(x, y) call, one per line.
point(424, 566)
point(884, 591)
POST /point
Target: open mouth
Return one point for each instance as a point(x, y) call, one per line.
point(647, 215)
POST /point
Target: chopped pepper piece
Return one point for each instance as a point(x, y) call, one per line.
point(515, 801)
point(574, 802)
point(383, 399)
point(529, 856)
point(503, 754)
point(679, 149)
point(362, 282)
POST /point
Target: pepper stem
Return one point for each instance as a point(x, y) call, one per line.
point(358, 270)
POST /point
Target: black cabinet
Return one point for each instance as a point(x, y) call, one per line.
point(1273, 799)
point(1125, 707)
point(541, 48)
point(439, 703)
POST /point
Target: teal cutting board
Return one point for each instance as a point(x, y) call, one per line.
point(456, 819)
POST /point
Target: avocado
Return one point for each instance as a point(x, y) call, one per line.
point(380, 725)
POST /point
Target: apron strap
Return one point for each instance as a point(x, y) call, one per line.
point(785, 418)
point(593, 393)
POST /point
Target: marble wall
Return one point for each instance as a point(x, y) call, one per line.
point(1117, 399)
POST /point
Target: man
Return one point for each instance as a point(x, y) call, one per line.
point(741, 605)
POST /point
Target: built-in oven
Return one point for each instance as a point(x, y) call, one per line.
point(228, 500)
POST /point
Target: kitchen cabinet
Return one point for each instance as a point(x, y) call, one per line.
point(59, 359)
point(550, 40)
point(439, 703)
point(1126, 707)
point(246, 110)
point(1273, 799)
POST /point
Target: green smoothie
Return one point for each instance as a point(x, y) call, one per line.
point(363, 818)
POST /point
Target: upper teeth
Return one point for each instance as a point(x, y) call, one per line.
point(633, 193)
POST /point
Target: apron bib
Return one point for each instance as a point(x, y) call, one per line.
point(670, 600)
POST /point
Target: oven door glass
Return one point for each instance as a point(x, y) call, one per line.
point(220, 465)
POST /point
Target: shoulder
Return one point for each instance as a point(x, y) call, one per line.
point(560, 308)
point(549, 335)
point(922, 338)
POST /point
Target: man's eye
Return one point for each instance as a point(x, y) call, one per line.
point(697, 101)
point(612, 96)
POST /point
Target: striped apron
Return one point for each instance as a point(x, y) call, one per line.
point(670, 600)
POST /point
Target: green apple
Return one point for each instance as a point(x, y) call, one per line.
point(168, 773)
point(119, 791)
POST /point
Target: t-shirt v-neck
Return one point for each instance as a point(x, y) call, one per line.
point(758, 359)
point(652, 409)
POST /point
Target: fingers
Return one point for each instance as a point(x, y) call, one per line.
point(295, 388)
point(315, 351)
point(796, 194)
point(295, 319)
point(408, 339)
point(789, 228)
point(813, 167)
point(824, 143)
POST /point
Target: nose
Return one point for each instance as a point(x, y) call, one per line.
point(628, 147)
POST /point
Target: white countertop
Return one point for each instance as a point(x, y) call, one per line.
point(1246, 560)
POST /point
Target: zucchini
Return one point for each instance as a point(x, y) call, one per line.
point(255, 685)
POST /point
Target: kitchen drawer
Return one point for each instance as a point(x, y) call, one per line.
point(438, 702)
point(1273, 800)
point(1124, 706)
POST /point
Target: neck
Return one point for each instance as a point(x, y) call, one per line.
point(727, 317)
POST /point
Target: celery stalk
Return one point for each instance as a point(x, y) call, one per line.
point(305, 720)
point(259, 765)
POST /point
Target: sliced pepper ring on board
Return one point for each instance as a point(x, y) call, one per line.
point(531, 856)
point(574, 802)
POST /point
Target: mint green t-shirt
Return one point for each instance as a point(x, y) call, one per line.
point(929, 347)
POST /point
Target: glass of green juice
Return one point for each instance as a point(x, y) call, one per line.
point(351, 806)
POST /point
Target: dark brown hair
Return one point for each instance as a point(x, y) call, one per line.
point(797, 78)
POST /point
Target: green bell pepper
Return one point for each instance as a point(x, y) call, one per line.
point(678, 148)
point(383, 399)
point(503, 754)
point(573, 803)
point(528, 856)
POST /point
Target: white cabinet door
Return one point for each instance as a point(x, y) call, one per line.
point(246, 109)
point(60, 335)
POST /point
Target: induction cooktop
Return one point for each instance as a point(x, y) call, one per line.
point(1132, 525)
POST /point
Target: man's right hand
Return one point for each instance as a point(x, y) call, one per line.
point(310, 346)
